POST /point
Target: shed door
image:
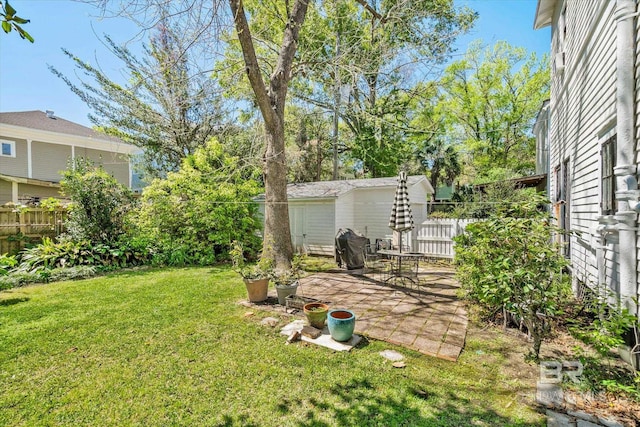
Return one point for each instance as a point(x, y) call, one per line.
point(297, 227)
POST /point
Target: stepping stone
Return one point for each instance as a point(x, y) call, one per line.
point(269, 321)
point(324, 339)
point(392, 355)
point(311, 332)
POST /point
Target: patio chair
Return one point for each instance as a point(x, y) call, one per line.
point(382, 244)
point(374, 263)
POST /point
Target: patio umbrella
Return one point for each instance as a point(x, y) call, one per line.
point(401, 219)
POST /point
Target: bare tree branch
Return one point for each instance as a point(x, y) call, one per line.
point(371, 10)
point(251, 62)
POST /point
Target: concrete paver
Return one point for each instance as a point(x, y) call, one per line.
point(427, 317)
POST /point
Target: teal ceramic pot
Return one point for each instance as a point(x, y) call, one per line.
point(341, 324)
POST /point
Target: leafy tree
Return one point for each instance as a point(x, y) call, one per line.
point(484, 201)
point(490, 100)
point(432, 146)
point(311, 149)
point(364, 58)
point(442, 161)
point(268, 40)
point(11, 21)
point(168, 107)
point(380, 140)
point(373, 57)
point(244, 140)
point(99, 203)
point(270, 96)
point(194, 214)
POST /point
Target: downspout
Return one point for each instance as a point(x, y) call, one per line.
point(626, 169)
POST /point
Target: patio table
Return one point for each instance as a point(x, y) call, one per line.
point(397, 259)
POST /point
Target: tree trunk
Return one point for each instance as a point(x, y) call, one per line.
point(537, 344)
point(271, 102)
point(319, 159)
point(504, 318)
point(277, 235)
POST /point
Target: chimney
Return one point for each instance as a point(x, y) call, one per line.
point(50, 114)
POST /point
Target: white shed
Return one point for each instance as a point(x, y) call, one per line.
point(317, 210)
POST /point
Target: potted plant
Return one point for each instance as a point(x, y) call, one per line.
point(256, 277)
point(341, 323)
point(316, 313)
point(287, 281)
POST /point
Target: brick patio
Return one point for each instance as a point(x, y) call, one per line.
point(428, 318)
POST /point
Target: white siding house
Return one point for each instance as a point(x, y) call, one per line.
point(594, 119)
point(317, 210)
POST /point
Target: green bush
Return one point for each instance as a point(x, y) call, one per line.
point(7, 262)
point(72, 273)
point(509, 262)
point(19, 278)
point(491, 199)
point(65, 260)
point(603, 321)
point(99, 203)
point(50, 255)
point(16, 279)
point(193, 215)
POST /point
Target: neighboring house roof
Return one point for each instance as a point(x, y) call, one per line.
point(18, 123)
point(40, 120)
point(334, 189)
point(522, 182)
point(544, 13)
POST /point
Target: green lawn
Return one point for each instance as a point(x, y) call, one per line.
point(173, 347)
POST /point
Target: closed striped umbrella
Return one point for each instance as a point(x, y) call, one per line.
point(401, 217)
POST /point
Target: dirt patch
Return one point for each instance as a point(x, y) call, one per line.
point(561, 346)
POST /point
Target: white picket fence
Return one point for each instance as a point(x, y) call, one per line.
point(435, 236)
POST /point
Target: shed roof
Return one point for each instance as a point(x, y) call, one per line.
point(334, 189)
point(40, 120)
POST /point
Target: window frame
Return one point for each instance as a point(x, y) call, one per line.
point(11, 144)
point(557, 172)
point(607, 176)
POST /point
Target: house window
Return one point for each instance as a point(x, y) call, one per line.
point(7, 148)
point(558, 188)
point(608, 159)
point(559, 62)
point(565, 208)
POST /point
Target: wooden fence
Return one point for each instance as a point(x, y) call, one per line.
point(435, 236)
point(18, 227)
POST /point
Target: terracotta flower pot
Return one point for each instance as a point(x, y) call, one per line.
point(316, 313)
point(257, 289)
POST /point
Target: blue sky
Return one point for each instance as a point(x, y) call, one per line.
point(27, 84)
